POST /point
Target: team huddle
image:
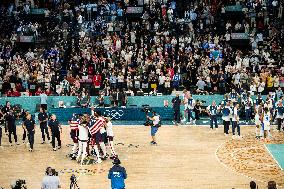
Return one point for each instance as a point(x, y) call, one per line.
point(91, 134)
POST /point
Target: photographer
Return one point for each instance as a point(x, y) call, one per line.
point(51, 180)
point(154, 127)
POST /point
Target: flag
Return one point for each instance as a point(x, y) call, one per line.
point(96, 125)
point(74, 124)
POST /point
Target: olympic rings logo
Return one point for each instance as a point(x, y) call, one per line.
point(114, 114)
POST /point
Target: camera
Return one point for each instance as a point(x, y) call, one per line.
point(19, 184)
point(54, 173)
point(147, 110)
point(73, 178)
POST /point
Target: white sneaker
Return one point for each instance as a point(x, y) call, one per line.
point(99, 161)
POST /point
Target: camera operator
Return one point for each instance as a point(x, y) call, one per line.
point(117, 174)
point(154, 127)
point(51, 180)
point(29, 125)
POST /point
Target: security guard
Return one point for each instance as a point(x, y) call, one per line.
point(11, 126)
point(117, 175)
point(43, 118)
point(212, 111)
point(29, 126)
point(55, 129)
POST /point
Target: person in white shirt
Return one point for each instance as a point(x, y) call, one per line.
point(50, 181)
point(83, 139)
point(110, 137)
point(266, 118)
point(190, 106)
point(235, 120)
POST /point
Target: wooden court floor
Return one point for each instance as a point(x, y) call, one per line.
point(185, 158)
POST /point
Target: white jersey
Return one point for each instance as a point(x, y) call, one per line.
point(266, 121)
point(83, 132)
point(109, 129)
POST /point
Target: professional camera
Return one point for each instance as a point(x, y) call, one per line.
point(54, 173)
point(19, 184)
point(73, 178)
point(147, 110)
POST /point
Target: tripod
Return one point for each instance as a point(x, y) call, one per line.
point(74, 185)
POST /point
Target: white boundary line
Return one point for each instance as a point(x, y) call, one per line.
point(234, 169)
point(273, 157)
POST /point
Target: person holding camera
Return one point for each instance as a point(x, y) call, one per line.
point(154, 127)
point(55, 129)
point(117, 174)
point(29, 126)
point(51, 180)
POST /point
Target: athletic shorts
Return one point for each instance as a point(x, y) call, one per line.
point(74, 135)
point(98, 137)
point(154, 130)
point(110, 138)
point(104, 137)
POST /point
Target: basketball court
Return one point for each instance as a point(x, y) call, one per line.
point(186, 157)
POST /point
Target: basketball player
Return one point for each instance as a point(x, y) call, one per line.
point(279, 115)
point(99, 137)
point(226, 116)
point(2, 122)
point(212, 111)
point(235, 121)
point(257, 121)
point(83, 140)
point(110, 137)
point(266, 123)
point(190, 107)
point(74, 132)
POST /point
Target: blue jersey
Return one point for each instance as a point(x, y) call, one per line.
point(213, 110)
point(117, 174)
point(280, 111)
point(226, 111)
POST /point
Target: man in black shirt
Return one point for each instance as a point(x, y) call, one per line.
point(2, 122)
point(24, 115)
point(11, 125)
point(43, 118)
point(176, 106)
point(29, 126)
point(5, 110)
point(55, 129)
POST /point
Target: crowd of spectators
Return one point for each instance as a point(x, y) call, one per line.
point(99, 48)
